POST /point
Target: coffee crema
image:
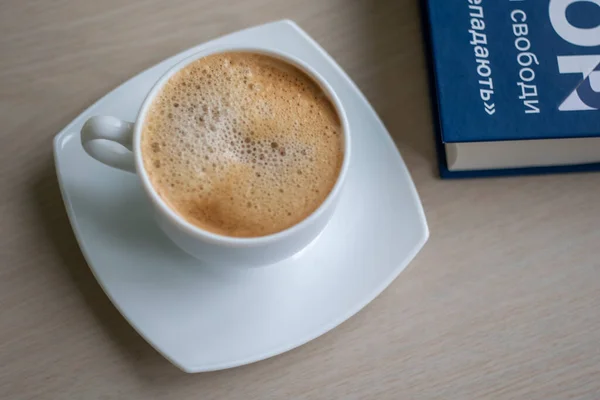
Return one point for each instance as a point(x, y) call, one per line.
point(242, 144)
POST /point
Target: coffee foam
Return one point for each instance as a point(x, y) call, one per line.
point(242, 144)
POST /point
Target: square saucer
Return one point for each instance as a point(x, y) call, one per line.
point(203, 318)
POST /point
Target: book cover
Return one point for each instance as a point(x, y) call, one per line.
point(515, 70)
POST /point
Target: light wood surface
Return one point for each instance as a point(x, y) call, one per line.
point(502, 303)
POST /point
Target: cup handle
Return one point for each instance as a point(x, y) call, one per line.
point(98, 132)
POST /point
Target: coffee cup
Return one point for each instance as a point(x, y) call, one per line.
point(224, 242)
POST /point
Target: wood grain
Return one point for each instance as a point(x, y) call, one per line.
point(502, 303)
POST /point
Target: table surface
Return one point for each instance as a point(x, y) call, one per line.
point(503, 302)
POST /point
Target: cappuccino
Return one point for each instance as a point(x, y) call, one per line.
point(242, 144)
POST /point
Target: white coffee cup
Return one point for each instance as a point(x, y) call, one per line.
point(202, 244)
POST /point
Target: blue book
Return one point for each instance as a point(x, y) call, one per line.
point(516, 85)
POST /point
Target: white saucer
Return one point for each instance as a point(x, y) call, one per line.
point(203, 318)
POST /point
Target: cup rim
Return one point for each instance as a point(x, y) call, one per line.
point(207, 235)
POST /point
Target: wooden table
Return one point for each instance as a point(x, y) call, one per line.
point(502, 303)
